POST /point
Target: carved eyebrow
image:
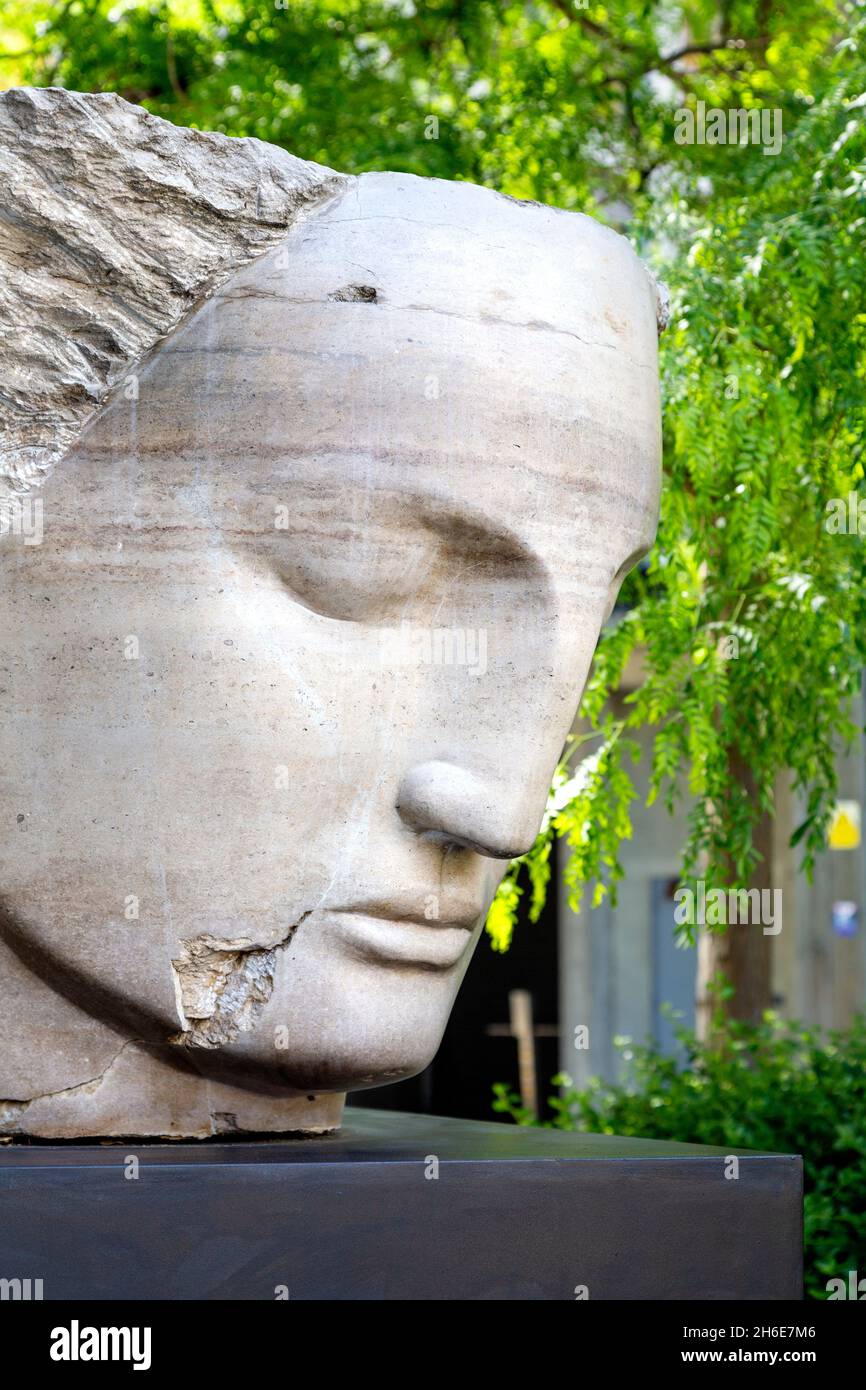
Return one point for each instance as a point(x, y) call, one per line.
point(459, 526)
point(473, 534)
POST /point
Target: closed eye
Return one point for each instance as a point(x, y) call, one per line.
point(369, 557)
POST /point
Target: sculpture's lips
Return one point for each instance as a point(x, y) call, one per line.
point(389, 940)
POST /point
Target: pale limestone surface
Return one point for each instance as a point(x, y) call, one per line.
point(284, 683)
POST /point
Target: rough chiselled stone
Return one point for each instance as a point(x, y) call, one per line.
point(113, 225)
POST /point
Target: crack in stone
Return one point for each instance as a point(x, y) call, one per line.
point(222, 985)
point(11, 1111)
point(367, 294)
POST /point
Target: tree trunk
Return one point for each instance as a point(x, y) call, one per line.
point(742, 953)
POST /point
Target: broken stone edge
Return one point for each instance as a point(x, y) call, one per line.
point(115, 225)
point(138, 1095)
point(222, 986)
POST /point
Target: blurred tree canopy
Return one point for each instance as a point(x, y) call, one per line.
point(750, 613)
point(570, 104)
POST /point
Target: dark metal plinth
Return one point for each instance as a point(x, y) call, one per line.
point(513, 1214)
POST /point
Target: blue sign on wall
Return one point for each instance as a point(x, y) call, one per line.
point(846, 918)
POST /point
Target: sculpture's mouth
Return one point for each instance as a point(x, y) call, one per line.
point(402, 941)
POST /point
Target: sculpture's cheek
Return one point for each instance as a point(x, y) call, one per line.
point(206, 763)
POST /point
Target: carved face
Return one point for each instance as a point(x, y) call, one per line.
point(285, 683)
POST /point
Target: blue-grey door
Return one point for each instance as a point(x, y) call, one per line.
point(674, 968)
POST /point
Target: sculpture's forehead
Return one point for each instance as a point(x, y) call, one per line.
point(429, 339)
point(544, 305)
point(466, 251)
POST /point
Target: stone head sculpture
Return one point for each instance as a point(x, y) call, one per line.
point(315, 494)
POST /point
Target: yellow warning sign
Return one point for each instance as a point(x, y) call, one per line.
point(844, 832)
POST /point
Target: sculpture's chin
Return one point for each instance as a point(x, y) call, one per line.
point(267, 1030)
point(329, 1062)
point(316, 1017)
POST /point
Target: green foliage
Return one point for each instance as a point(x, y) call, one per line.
point(588, 810)
point(749, 617)
point(765, 408)
point(777, 1087)
point(763, 365)
point(552, 100)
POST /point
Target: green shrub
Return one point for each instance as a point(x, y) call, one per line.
point(775, 1086)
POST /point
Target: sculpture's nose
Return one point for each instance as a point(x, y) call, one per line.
point(449, 803)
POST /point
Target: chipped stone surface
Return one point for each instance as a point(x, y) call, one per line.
point(114, 224)
point(222, 987)
point(663, 303)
